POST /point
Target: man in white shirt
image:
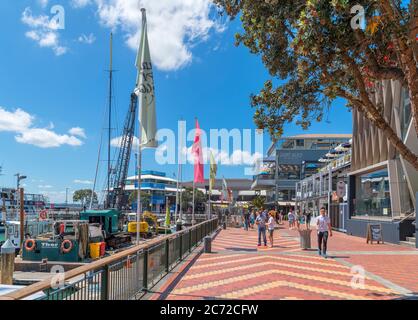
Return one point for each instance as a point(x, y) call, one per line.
point(324, 229)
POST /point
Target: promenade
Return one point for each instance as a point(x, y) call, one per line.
point(238, 269)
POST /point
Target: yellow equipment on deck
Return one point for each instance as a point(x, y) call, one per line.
point(95, 250)
point(147, 226)
point(133, 227)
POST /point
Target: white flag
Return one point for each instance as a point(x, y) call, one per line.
point(145, 90)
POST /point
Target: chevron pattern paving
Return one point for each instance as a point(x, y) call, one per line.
point(238, 269)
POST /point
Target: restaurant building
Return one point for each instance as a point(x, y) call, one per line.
point(288, 161)
point(382, 185)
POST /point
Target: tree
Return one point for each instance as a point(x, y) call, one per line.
point(187, 198)
point(84, 196)
point(258, 202)
point(315, 53)
point(145, 198)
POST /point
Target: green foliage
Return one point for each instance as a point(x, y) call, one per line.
point(145, 198)
point(187, 198)
point(258, 202)
point(314, 56)
point(84, 196)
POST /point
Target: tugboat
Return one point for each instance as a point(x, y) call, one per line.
point(79, 240)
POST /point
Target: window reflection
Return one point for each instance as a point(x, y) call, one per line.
point(373, 195)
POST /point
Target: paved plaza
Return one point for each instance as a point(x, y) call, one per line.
point(238, 269)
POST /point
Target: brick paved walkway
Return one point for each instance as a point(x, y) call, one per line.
point(237, 269)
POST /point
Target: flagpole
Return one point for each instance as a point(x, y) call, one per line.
point(210, 204)
point(180, 220)
point(138, 208)
point(193, 216)
point(194, 186)
point(178, 179)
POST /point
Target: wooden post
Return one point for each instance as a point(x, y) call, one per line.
point(22, 218)
point(7, 263)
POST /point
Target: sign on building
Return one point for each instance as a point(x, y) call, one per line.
point(341, 189)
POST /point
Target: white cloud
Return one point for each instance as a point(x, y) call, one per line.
point(45, 138)
point(43, 3)
point(78, 181)
point(57, 196)
point(44, 31)
point(22, 124)
point(116, 142)
point(78, 132)
point(45, 186)
point(237, 158)
point(90, 39)
point(18, 120)
point(80, 3)
point(174, 26)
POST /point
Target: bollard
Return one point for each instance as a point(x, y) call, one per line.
point(224, 226)
point(178, 226)
point(305, 239)
point(7, 262)
point(208, 244)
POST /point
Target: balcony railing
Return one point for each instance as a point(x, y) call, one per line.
point(126, 275)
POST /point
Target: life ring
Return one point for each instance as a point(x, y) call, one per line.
point(30, 244)
point(65, 249)
point(43, 215)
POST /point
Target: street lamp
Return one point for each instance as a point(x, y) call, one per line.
point(19, 178)
point(66, 196)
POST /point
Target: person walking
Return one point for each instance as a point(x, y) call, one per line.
point(261, 223)
point(271, 224)
point(281, 217)
point(308, 218)
point(297, 219)
point(252, 219)
point(291, 218)
point(324, 230)
point(246, 220)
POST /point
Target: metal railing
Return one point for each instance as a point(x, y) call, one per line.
point(127, 275)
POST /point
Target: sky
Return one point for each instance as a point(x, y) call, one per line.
point(54, 86)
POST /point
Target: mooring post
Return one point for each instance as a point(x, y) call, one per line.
point(7, 262)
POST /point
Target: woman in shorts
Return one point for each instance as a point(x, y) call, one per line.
point(271, 225)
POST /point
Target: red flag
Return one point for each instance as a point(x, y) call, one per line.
point(198, 156)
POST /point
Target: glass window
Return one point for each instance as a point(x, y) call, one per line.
point(406, 112)
point(300, 143)
point(289, 172)
point(372, 195)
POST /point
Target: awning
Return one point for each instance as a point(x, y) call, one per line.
point(286, 203)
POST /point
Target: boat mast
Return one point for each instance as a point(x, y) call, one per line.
point(109, 167)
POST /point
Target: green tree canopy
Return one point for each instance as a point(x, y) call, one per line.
point(187, 198)
point(84, 196)
point(145, 198)
point(258, 202)
point(314, 55)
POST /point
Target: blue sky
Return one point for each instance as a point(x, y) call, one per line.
point(53, 84)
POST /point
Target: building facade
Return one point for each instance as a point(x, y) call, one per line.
point(240, 190)
point(289, 160)
point(327, 188)
point(158, 186)
point(382, 185)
